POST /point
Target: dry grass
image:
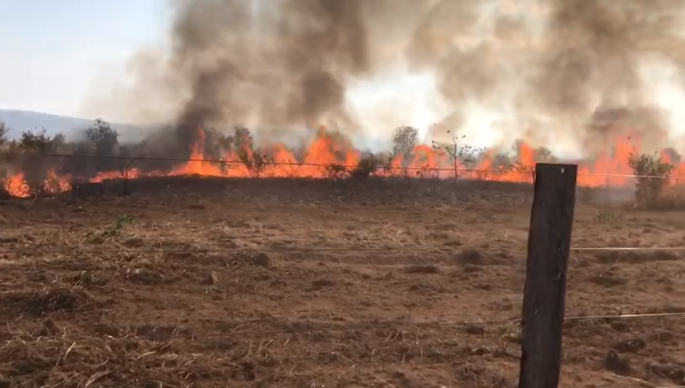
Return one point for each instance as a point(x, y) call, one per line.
point(313, 284)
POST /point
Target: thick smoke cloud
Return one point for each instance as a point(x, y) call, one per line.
point(557, 72)
point(592, 57)
point(552, 66)
point(282, 65)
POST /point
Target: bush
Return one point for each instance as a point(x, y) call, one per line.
point(365, 168)
point(652, 174)
point(336, 171)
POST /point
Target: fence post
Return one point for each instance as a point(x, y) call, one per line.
point(544, 295)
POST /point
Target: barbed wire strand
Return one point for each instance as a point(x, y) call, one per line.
point(633, 249)
point(399, 325)
point(375, 325)
point(323, 165)
point(645, 382)
point(341, 249)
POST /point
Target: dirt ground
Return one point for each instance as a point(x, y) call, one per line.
point(273, 284)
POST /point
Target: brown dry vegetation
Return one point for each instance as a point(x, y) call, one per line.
point(260, 283)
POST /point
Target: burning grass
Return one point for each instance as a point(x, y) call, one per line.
point(42, 165)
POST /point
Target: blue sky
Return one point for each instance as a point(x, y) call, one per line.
point(51, 50)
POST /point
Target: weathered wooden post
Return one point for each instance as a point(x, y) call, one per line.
point(544, 295)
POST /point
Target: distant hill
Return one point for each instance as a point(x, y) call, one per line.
point(19, 121)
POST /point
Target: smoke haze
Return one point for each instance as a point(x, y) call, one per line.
point(552, 69)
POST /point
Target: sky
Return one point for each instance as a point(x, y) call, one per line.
point(51, 50)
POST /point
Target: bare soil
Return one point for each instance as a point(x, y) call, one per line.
point(261, 283)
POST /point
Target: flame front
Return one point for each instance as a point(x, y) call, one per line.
point(327, 150)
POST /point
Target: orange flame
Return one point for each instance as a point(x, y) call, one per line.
point(327, 150)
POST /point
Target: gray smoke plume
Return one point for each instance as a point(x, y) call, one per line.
point(591, 59)
point(554, 66)
point(556, 73)
point(281, 64)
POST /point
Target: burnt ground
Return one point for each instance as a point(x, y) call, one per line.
point(202, 283)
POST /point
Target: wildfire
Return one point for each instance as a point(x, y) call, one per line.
point(327, 151)
point(17, 186)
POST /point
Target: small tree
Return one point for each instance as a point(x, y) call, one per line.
point(31, 153)
point(131, 153)
point(35, 141)
point(365, 168)
point(4, 157)
point(544, 155)
point(103, 137)
point(4, 129)
point(336, 171)
point(652, 174)
point(242, 138)
point(255, 161)
point(404, 140)
point(461, 154)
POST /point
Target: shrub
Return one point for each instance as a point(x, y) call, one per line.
point(365, 168)
point(652, 174)
point(461, 155)
point(336, 171)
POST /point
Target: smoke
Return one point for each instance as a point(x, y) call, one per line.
point(549, 70)
point(544, 68)
point(592, 58)
point(281, 65)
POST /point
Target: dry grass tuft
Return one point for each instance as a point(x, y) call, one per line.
point(358, 284)
point(82, 361)
point(422, 269)
point(49, 300)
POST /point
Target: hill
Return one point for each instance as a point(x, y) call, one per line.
point(19, 121)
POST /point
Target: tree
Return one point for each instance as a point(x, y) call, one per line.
point(242, 139)
point(103, 137)
point(252, 158)
point(461, 154)
point(32, 155)
point(404, 140)
point(544, 155)
point(652, 174)
point(3, 133)
point(35, 141)
point(365, 168)
point(104, 140)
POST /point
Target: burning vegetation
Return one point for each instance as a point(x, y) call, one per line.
point(38, 164)
point(291, 65)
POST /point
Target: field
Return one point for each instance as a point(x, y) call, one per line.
point(266, 283)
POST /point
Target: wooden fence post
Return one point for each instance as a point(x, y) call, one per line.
point(544, 295)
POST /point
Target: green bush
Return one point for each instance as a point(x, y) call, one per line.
point(652, 174)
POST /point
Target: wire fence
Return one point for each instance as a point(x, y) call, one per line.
point(461, 168)
point(309, 326)
point(351, 248)
point(312, 327)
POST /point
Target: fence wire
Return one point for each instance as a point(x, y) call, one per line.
point(525, 169)
point(199, 250)
point(372, 325)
